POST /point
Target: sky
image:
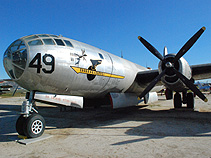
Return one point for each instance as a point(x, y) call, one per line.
point(112, 25)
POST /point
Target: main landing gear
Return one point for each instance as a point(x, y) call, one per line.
point(30, 123)
point(187, 98)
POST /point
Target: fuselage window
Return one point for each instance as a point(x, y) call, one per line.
point(59, 42)
point(101, 56)
point(35, 43)
point(48, 41)
point(68, 43)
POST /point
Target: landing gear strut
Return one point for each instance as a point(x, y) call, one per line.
point(188, 98)
point(30, 123)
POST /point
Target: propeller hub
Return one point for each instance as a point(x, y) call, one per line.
point(169, 65)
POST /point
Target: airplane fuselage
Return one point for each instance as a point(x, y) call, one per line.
point(55, 64)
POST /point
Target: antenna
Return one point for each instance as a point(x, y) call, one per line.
point(121, 54)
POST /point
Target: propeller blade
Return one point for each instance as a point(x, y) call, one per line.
point(152, 84)
point(190, 85)
point(189, 44)
point(165, 52)
point(151, 48)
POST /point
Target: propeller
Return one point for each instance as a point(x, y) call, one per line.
point(189, 44)
point(169, 65)
point(152, 49)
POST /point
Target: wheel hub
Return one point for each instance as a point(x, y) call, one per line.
point(37, 126)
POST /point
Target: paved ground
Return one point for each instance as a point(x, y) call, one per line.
point(144, 131)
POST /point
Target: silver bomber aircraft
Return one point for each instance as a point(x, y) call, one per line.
point(50, 66)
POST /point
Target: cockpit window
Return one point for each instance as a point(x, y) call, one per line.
point(59, 42)
point(35, 43)
point(43, 35)
point(31, 37)
point(18, 71)
point(7, 54)
point(22, 45)
point(53, 36)
point(16, 45)
point(68, 43)
point(15, 58)
point(49, 41)
point(19, 58)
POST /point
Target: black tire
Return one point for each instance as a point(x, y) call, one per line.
point(184, 97)
point(190, 100)
point(177, 101)
point(34, 126)
point(168, 94)
point(20, 124)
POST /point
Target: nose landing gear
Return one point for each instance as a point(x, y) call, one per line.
point(30, 123)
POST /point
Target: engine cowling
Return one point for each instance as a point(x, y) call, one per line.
point(170, 79)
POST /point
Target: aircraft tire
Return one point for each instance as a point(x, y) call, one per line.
point(190, 100)
point(34, 126)
point(168, 94)
point(177, 101)
point(20, 124)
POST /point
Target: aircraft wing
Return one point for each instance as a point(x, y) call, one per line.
point(5, 86)
point(145, 77)
point(2, 80)
point(202, 71)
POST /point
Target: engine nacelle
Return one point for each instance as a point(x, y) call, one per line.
point(170, 79)
point(120, 100)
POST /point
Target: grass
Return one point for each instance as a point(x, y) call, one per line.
point(153, 105)
point(9, 95)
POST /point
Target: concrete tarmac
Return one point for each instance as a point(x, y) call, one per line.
point(153, 130)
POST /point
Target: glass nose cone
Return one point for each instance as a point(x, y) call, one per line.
point(15, 58)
